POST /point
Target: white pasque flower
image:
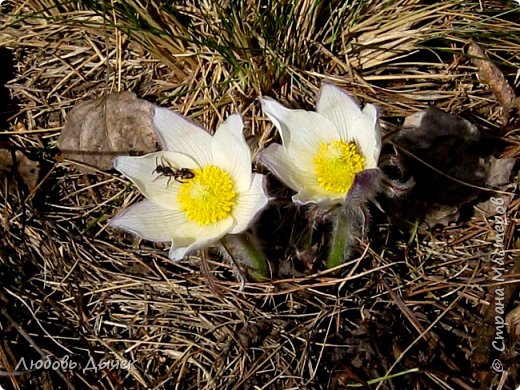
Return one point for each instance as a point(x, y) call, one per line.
point(323, 150)
point(214, 194)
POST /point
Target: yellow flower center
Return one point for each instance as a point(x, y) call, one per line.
point(209, 197)
point(336, 163)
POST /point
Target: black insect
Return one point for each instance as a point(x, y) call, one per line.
point(179, 174)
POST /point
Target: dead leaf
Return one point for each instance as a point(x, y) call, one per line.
point(253, 333)
point(489, 209)
point(28, 169)
point(440, 151)
point(499, 173)
point(99, 130)
point(5, 160)
point(491, 75)
point(440, 214)
point(423, 129)
point(513, 322)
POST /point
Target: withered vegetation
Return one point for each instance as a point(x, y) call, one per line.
point(414, 309)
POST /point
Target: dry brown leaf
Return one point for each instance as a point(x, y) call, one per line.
point(494, 78)
point(5, 160)
point(513, 322)
point(489, 208)
point(440, 154)
point(28, 170)
point(499, 171)
point(440, 214)
point(253, 333)
point(99, 130)
point(499, 174)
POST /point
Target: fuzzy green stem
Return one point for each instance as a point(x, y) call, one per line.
point(243, 249)
point(341, 240)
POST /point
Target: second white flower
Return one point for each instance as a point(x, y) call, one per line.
point(323, 151)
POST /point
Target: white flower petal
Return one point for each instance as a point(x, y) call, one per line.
point(189, 146)
point(367, 135)
point(340, 108)
point(149, 221)
point(179, 134)
point(190, 237)
point(142, 171)
point(352, 122)
point(249, 204)
point(231, 152)
point(303, 181)
point(177, 253)
point(301, 131)
point(306, 196)
point(276, 159)
point(293, 163)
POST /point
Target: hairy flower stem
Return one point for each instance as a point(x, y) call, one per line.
point(341, 239)
point(242, 250)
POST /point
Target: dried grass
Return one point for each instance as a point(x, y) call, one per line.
point(418, 305)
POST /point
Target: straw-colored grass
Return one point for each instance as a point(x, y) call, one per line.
point(415, 309)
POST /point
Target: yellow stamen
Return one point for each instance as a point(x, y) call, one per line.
point(336, 163)
point(209, 197)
